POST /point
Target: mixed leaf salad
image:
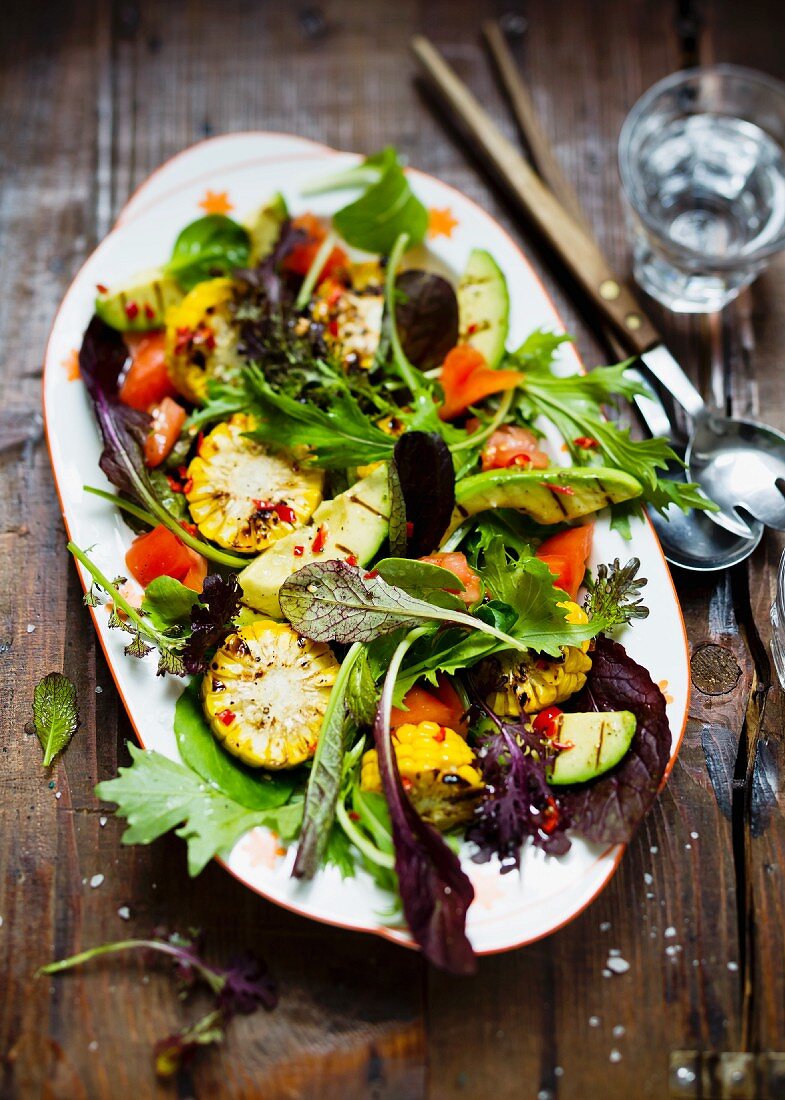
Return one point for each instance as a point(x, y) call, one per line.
point(355, 544)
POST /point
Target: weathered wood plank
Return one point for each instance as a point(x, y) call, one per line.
point(553, 1014)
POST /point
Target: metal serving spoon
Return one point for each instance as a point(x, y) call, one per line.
point(690, 539)
point(755, 454)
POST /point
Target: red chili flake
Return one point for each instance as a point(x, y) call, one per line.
point(440, 736)
point(285, 513)
point(541, 663)
point(149, 312)
point(204, 337)
point(131, 310)
point(262, 505)
point(182, 471)
point(191, 528)
point(226, 717)
point(351, 559)
point(373, 573)
point(174, 485)
point(406, 782)
point(565, 490)
point(409, 529)
point(321, 538)
point(184, 337)
point(562, 746)
point(332, 328)
point(471, 329)
point(298, 551)
point(520, 460)
point(587, 442)
point(199, 442)
point(353, 815)
point(334, 297)
point(101, 288)
point(188, 485)
point(550, 817)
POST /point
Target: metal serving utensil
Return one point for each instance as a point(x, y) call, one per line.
point(755, 453)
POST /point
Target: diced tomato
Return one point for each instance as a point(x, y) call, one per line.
point(158, 553)
point(513, 446)
point(168, 419)
point(147, 381)
point(442, 706)
point(457, 564)
point(194, 578)
point(301, 257)
point(466, 379)
point(566, 555)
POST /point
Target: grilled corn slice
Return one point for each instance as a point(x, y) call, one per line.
point(266, 692)
point(352, 322)
point(201, 339)
point(245, 497)
point(438, 771)
point(530, 684)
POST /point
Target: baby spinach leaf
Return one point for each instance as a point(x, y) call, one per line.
point(55, 715)
point(417, 577)
point(210, 246)
point(387, 208)
point(250, 787)
point(168, 603)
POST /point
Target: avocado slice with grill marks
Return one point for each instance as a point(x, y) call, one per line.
point(593, 743)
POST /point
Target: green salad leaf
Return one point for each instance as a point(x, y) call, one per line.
point(387, 207)
point(168, 603)
point(253, 788)
point(615, 594)
point(210, 246)
point(55, 716)
point(573, 403)
point(156, 794)
point(338, 436)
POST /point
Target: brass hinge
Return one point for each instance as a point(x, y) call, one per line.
point(703, 1075)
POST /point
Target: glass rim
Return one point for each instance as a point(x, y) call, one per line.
point(629, 187)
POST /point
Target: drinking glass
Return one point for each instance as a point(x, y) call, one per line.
point(702, 162)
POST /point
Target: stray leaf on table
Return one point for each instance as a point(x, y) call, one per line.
point(54, 714)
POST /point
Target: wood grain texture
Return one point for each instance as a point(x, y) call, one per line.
point(95, 96)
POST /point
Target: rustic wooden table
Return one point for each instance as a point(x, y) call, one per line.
point(94, 97)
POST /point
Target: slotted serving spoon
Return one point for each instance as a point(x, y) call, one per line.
point(740, 464)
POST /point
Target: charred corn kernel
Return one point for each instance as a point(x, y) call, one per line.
point(438, 770)
point(528, 685)
point(266, 692)
point(245, 497)
point(352, 322)
point(390, 425)
point(201, 340)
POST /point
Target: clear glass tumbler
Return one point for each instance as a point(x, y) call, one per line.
point(702, 162)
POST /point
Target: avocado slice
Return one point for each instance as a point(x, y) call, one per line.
point(484, 306)
point(598, 742)
point(354, 523)
point(548, 496)
point(264, 227)
point(141, 305)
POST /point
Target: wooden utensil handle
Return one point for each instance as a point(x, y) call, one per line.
point(575, 247)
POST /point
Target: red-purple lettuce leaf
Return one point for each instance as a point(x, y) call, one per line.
point(609, 809)
point(519, 804)
point(426, 316)
point(427, 476)
point(435, 892)
point(211, 619)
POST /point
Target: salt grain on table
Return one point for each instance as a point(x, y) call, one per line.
point(617, 965)
point(605, 926)
point(694, 835)
point(614, 1056)
point(31, 628)
point(648, 879)
point(96, 880)
point(594, 1021)
point(670, 932)
point(618, 1031)
point(733, 966)
point(102, 820)
point(124, 913)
